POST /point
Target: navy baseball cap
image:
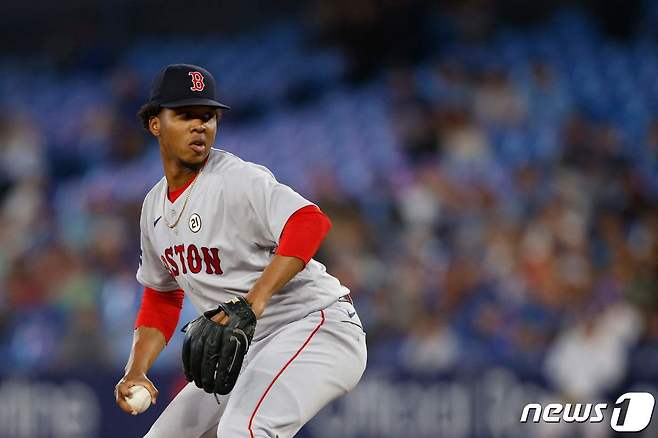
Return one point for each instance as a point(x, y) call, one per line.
point(179, 85)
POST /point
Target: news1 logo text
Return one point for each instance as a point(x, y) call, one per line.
point(631, 412)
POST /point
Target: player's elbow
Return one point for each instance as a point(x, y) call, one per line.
point(160, 310)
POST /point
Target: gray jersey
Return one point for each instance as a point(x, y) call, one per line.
point(228, 224)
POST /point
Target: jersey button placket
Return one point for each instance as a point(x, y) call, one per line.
point(172, 216)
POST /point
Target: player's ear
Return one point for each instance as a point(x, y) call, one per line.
point(154, 125)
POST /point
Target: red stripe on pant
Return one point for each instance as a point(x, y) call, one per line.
point(251, 420)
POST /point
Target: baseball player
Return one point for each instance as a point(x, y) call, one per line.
point(240, 245)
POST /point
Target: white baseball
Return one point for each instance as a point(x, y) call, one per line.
point(139, 399)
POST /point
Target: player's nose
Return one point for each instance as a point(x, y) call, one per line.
point(198, 126)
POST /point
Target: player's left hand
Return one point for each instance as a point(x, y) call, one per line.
point(213, 353)
point(257, 306)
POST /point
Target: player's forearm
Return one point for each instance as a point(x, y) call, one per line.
point(279, 272)
point(148, 342)
point(300, 239)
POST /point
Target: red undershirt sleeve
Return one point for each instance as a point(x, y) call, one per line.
point(160, 310)
point(303, 233)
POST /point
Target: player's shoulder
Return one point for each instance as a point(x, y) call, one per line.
point(232, 167)
point(154, 194)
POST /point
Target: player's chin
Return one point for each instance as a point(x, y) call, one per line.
point(195, 158)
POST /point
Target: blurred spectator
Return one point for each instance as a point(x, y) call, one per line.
point(590, 358)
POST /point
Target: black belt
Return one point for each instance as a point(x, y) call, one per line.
point(346, 299)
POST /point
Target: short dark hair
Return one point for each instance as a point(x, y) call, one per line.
point(148, 110)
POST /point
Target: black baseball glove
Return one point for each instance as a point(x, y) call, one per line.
point(213, 353)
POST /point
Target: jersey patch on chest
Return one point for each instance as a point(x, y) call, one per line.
point(194, 223)
point(180, 259)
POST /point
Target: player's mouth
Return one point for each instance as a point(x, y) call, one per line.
point(198, 146)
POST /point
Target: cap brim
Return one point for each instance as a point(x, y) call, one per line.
point(195, 102)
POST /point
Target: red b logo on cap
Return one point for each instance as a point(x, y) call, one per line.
point(197, 81)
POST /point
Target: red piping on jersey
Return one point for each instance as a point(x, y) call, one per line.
point(303, 233)
point(253, 414)
point(160, 310)
point(172, 195)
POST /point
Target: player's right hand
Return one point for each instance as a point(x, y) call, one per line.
point(122, 389)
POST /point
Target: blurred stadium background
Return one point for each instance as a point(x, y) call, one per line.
point(490, 167)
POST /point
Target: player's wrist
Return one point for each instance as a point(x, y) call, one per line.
point(132, 374)
point(257, 302)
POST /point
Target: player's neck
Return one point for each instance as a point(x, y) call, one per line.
point(179, 177)
point(177, 173)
